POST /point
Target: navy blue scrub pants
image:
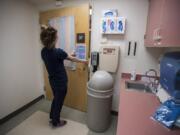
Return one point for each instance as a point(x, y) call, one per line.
point(59, 90)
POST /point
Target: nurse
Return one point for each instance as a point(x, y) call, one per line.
point(53, 59)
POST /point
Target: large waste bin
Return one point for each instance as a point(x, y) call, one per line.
point(100, 91)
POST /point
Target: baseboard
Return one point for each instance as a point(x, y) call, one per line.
point(114, 113)
point(20, 109)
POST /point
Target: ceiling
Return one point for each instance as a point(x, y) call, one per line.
point(43, 2)
point(39, 2)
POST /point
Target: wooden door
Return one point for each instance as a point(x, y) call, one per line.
point(77, 95)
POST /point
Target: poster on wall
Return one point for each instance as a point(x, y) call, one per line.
point(81, 51)
point(80, 37)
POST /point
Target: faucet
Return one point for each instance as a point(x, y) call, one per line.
point(151, 70)
point(152, 80)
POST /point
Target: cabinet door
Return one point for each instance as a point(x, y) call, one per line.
point(170, 31)
point(153, 21)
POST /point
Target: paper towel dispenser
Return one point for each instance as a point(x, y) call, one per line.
point(109, 58)
point(170, 73)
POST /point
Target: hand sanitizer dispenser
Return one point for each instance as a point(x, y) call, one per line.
point(95, 60)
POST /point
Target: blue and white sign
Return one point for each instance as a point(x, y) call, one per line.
point(81, 51)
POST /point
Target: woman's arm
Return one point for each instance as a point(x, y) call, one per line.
point(74, 59)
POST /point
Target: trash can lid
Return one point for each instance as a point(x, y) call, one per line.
point(101, 80)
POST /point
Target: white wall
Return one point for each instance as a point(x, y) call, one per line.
point(21, 78)
point(135, 11)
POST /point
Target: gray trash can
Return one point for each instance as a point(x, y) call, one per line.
point(100, 91)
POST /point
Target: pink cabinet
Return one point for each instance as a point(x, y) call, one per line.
point(163, 24)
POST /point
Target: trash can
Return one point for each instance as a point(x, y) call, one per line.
point(100, 91)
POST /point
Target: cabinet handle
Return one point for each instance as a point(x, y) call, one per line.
point(155, 34)
point(157, 37)
point(158, 34)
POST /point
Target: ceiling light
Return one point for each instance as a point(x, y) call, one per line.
point(58, 2)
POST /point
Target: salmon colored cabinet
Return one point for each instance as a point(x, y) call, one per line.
point(163, 24)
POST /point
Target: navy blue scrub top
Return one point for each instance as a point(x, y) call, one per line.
point(54, 62)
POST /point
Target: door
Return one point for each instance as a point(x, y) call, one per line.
point(77, 79)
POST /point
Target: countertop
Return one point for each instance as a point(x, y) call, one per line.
point(135, 110)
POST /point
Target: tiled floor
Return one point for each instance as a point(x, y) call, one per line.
point(67, 112)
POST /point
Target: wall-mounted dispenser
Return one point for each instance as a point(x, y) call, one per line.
point(109, 58)
point(170, 74)
point(95, 60)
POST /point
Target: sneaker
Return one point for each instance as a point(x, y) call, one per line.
point(50, 122)
point(59, 124)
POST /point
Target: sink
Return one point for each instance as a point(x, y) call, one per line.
point(138, 86)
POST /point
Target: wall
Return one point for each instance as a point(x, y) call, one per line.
point(135, 11)
point(50, 4)
point(21, 78)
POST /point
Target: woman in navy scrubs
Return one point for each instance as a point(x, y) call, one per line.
point(53, 59)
